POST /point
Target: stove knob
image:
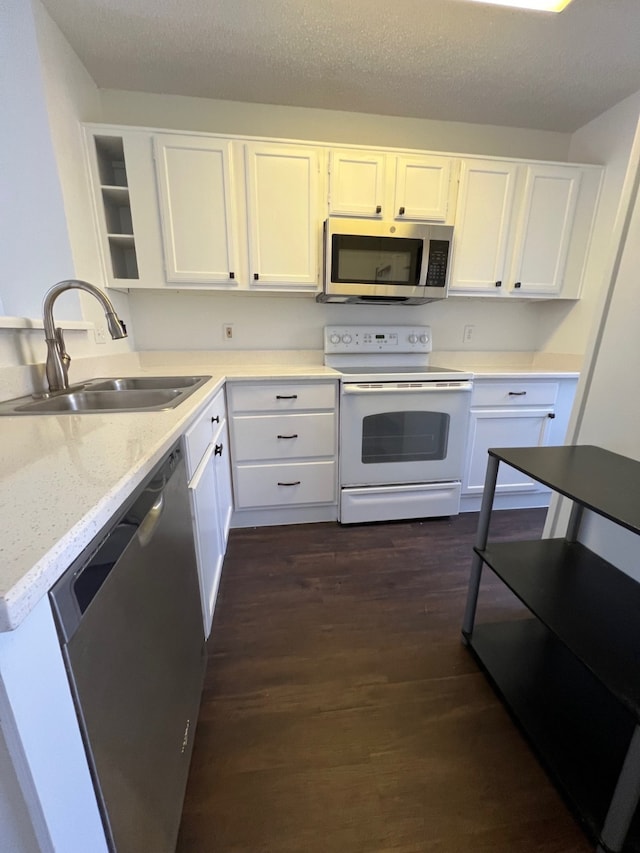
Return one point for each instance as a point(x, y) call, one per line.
point(424, 339)
point(413, 339)
point(346, 339)
point(334, 339)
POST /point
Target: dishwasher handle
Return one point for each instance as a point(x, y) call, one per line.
point(150, 521)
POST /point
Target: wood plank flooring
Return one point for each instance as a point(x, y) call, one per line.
point(341, 713)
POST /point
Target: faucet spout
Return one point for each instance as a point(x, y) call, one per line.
point(57, 367)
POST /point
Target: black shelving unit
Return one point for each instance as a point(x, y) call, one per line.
point(569, 674)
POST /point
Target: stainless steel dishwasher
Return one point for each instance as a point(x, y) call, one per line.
point(130, 624)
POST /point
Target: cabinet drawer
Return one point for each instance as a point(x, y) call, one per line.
point(514, 392)
point(284, 436)
point(200, 433)
point(282, 396)
point(262, 485)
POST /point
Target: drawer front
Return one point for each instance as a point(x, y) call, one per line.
point(282, 396)
point(262, 485)
point(514, 392)
point(198, 437)
point(284, 436)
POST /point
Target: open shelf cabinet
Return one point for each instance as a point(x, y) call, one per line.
point(569, 674)
point(116, 206)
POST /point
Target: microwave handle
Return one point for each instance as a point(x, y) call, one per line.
point(422, 281)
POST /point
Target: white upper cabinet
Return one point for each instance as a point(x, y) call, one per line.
point(357, 185)
point(483, 225)
point(422, 188)
point(391, 186)
point(197, 209)
point(522, 230)
point(284, 215)
point(545, 228)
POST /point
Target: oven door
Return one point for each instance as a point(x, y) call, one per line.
point(403, 432)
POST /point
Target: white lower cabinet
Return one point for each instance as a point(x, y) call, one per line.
point(513, 413)
point(284, 440)
point(208, 466)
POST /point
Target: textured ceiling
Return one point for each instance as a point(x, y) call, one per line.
point(439, 59)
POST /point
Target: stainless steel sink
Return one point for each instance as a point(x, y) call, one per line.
point(122, 394)
point(145, 383)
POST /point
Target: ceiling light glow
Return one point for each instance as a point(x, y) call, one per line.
point(535, 5)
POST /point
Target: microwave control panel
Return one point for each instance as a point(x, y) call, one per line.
point(374, 339)
point(438, 262)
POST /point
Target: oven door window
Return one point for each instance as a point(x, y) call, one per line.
point(376, 260)
point(404, 437)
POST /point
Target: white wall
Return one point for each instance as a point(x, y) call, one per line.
point(72, 97)
point(182, 113)
point(49, 232)
point(34, 242)
point(185, 320)
point(607, 410)
point(567, 328)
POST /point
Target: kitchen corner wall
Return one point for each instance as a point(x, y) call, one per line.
point(47, 231)
point(568, 328)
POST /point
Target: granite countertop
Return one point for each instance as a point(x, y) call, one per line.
point(63, 476)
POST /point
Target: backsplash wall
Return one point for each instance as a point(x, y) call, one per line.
point(194, 320)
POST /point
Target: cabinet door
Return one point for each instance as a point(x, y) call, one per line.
point(197, 209)
point(503, 428)
point(224, 493)
point(545, 227)
point(284, 217)
point(483, 226)
point(422, 188)
point(209, 551)
point(357, 184)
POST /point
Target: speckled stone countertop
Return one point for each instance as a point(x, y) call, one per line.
point(64, 476)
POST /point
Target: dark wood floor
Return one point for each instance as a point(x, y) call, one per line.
point(341, 713)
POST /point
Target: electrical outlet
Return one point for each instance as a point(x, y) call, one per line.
point(227, 331)
point(100, 334)
point(467, 335)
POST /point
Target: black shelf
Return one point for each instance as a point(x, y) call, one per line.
point(589, 604)
point(578, 730)
point(604, 482)
point(569, 673)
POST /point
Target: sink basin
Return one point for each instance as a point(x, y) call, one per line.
point(122, 394)
point(103, 401)
point(145, 383)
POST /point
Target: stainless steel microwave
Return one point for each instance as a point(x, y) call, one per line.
point(385, 262)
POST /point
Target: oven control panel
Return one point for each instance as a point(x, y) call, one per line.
point(372, 339)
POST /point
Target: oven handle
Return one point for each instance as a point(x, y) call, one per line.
point(392, 388)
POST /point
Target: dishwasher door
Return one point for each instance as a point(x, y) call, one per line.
point(129, 618)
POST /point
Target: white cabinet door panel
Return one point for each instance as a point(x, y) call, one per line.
point(503, 428)
point(545, 228)
point(197, 209)
point(286, 484)
point(483, 226)
point(224, 490)
point(209, 550)
point(422, 188)
point(357, 184)
point(283, 215)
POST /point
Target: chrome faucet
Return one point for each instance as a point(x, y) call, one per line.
point(58, 358)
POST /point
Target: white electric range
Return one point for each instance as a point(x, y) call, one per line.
point(403, 424)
